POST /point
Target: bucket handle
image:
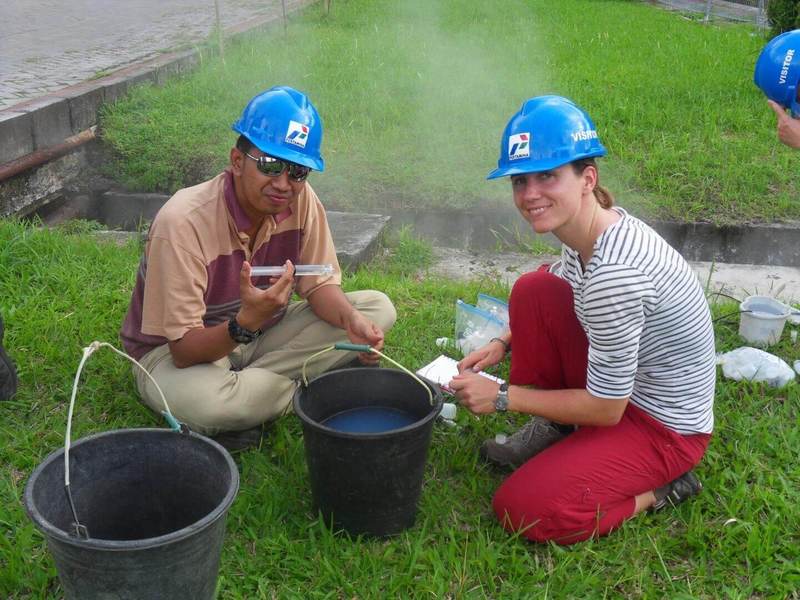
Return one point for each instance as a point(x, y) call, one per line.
point(364, 348)
point(80, 529)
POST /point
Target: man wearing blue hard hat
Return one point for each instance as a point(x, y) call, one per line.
point(224, 345)
point(777, 73)
point(612, 348)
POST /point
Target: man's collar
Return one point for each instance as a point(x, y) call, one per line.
point(240, 218)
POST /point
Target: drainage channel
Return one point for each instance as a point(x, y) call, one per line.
point(489, 230)
point(501, 229)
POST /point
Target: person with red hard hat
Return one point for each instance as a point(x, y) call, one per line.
point(227, 347)
point(777, 73)
point(612, 348)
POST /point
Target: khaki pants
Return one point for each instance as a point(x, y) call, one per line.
point(212, 397)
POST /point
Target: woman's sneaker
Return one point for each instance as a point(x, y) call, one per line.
point(536, 435)
point(678, 490)
point(8, 373)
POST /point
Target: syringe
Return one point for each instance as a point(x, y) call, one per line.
point(279, 270)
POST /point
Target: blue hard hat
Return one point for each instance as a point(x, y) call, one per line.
point(547, 132)
point(283, 123)
point(777, 70)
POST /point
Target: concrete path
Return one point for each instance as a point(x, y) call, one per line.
point(733, 280)
point(749, 11)
point(46, 45)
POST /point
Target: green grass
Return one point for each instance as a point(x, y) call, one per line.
point(414, 95)
point(61, 289)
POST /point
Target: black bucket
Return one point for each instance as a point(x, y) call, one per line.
point(366, 483)
point(154, 503)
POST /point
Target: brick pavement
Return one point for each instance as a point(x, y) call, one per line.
point(46, 45)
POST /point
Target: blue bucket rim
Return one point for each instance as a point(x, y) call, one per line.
point(432, 414)
point(51, 531)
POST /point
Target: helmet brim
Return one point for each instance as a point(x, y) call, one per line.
point(537, 166)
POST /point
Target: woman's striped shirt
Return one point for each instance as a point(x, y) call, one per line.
point(648, 325)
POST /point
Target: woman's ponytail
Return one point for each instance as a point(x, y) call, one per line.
point(604, 197)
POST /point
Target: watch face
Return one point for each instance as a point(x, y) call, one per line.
point(239, 334)
point(243, 338)
point(501, 402)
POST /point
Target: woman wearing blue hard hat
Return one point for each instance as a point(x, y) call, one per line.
point(613, 348)
point(777, 73)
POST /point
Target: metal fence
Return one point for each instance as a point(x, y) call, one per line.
point(747, 11)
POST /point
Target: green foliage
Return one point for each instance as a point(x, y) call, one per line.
point(513, 238)
point(414, 95)
point(61, 289)
point(408, 254)
point(784, 15)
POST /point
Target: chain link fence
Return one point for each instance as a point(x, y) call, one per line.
point(746, 11)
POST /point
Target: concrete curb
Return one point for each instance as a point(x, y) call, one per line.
point(357, 236)
point(490, 231)
point(50, 119)
point(775, 244)
point(722, 282)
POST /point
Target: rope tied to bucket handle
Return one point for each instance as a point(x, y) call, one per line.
point(79, 529)
point(364, 348)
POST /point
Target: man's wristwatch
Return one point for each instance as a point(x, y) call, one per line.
point(501, 402)
point(239, 334)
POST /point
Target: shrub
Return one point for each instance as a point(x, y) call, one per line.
point(784, 15)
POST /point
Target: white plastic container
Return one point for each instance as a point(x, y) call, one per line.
point(761, 320)
point(448, 411)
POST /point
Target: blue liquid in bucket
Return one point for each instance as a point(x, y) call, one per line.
point(369, 419)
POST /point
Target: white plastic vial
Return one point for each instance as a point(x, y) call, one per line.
point(448, 411)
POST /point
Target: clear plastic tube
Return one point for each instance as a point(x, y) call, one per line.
point(279, 270)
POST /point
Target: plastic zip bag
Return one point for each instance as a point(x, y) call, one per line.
point(752, 364)
point(495, 307)
point(475, 327)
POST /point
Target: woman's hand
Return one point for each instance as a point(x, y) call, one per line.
point(475, 392)
point(486, 356)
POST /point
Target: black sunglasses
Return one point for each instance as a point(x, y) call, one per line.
point(272, 167)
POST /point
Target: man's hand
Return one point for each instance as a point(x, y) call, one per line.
point(360, 330)
point(475, 392)
point(260, 305)
point(788, 128)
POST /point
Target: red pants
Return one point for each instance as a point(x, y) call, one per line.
point(584, 485)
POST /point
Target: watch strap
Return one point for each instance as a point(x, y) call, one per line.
point(501, 401)
point(241, 335)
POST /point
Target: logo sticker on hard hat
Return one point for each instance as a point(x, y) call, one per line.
point(787, 62)
point(584, 136)
point(519, 146)
point(297, 134)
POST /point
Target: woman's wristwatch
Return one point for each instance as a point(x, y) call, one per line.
point(501, 402)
